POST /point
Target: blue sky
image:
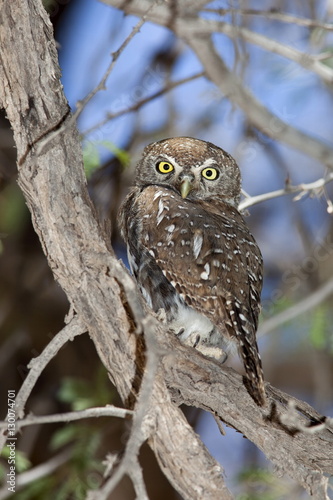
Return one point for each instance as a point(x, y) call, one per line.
point(92, 31)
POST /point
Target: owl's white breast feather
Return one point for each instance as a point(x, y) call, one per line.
point(189, 325)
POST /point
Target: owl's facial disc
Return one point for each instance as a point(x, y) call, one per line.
point(188, 182)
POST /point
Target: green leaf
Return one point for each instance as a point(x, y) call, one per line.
point(255, 474)
point(72, 388)
point(42, 488)
point(22, 463)
point(91, 155)
point(122, 155)
point(82, 394)
point(318, 330)
point(13, 211)
point(91, 158)
point(64, 436)
point(328, 61)
point(261, 484)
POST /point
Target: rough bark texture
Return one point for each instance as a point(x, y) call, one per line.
point(52, 179)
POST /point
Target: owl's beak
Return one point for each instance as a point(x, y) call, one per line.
point(186, 186)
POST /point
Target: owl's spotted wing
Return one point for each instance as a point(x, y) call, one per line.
point(205, 254)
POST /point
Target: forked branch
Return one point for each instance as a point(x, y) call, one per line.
point(105, 298)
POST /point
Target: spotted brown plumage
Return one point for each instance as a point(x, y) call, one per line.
point(191, 251)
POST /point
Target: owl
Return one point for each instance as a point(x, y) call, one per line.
point(191, 252)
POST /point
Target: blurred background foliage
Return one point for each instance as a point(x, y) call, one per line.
point(296, 237)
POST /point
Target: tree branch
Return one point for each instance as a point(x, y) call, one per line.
point(263, 119)
point(275, 15)
point(311, 188)
point(80, 105)
point(38, 472)
point(304, 305)
point(300, 455)
point(105, 298)
point(114, 57)
point(129, 463)
point(38, 364)
point(307, 61)
point(188, 26)
point(107, 411)
point(77, 247)
point(136, 106)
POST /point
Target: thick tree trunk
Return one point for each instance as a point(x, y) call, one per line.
point(104, 296)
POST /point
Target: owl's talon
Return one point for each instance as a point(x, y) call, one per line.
point(161, 315)
point(191, 251)
point(223, 358)
point(197, 340)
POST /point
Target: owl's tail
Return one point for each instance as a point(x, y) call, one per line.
point(243, 328)
point(253, 368)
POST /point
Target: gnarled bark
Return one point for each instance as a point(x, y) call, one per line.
point(105, 298)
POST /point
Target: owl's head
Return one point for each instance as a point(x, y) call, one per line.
point(198, 170)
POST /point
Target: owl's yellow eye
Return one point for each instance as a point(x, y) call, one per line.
point(210, 173)
point(164, 167)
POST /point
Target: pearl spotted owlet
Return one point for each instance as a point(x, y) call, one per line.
point(192, 253)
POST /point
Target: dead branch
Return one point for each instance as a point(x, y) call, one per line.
point(77, 248)
point(305, 305)
point(105, 411)
point(312, 188)
point(129, 463)
point(275, 15)
point(37, 365)
point(307, 61)
point(189, 27)
point(38, 472)
point(105, 299)
point(139, 104)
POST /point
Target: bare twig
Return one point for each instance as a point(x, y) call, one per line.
point(129, 464)
point(275, 15)
point(38, 472)
point(310, 188)
point(80, 105)
point(75, 245)
point(37, 365)
point(311, 301)
point(258, 114)
point(142, 102)
point(200, 27)
point(192, 30)
point(107, 411)
point(136, 475)
point(307, 61)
